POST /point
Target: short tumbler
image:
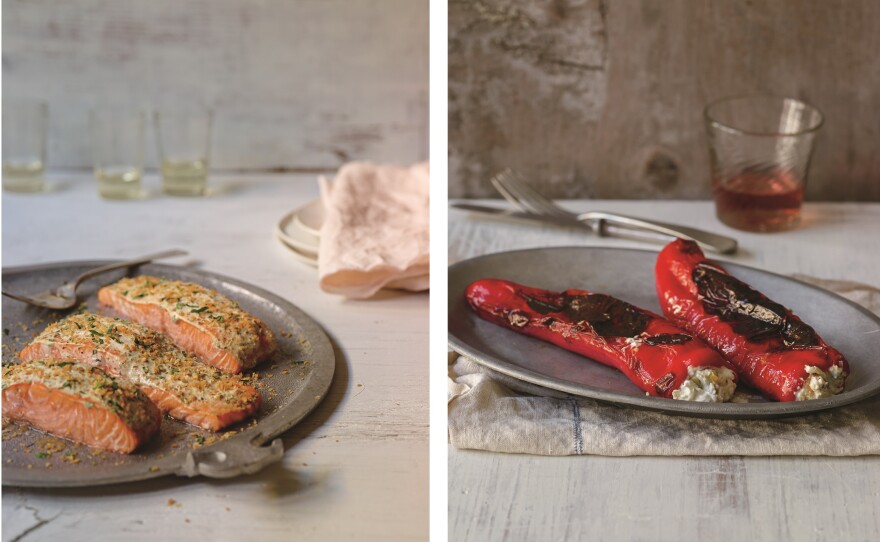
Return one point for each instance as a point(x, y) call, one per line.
point(184, 141)
point(118, 147)
point(24, 145)
point(759, 151)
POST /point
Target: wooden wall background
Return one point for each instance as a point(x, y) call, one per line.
point(297, 84)
point(604, 98)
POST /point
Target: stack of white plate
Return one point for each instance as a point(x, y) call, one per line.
point(300, 231)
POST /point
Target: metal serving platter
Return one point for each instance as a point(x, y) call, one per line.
point(629, 275)
point(292, 383)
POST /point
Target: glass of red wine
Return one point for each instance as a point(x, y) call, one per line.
point(759, 152)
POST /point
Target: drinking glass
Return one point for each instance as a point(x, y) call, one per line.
point(184, 142)
point(118, 148)
point(759, 153)
point(24, 145)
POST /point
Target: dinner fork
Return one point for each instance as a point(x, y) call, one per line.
point(64, 297)
point(516, 191)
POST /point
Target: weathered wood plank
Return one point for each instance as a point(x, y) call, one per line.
point(603, 99)
point(305, 84)
point(511, 497)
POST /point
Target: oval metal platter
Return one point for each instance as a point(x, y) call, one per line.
point(292, 383)
point(629, 275)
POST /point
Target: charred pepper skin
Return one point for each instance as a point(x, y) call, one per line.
point(768, 344)
point(652, 352)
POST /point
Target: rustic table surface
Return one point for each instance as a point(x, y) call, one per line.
point(356, 467)
point(495, 496)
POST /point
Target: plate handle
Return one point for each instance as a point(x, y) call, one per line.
point(233, 460)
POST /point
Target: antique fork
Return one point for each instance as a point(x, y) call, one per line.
point(516, 191)
point(64, 297)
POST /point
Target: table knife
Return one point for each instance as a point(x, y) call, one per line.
point(612, 224)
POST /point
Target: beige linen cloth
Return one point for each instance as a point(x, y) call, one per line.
point(375, 233)
point(491, 411)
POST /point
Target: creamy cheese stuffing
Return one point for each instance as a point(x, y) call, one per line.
point(707, 384)
point(819, 384)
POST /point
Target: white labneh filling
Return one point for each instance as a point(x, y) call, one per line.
point(819, 384)
point(707, 384)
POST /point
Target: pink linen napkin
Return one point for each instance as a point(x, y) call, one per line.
point(375, 233)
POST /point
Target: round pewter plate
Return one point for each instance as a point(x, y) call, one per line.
point(292, 382)
point(629, 275)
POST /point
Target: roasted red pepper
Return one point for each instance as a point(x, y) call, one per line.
point(772, 349)
point(651, 351)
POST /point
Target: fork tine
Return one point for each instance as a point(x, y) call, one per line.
point(537, 202)
point(23, 299)
point(508, 189)
point(539, 199)
point(508, 195)
point(47, 300)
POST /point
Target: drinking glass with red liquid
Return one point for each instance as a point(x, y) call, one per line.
point(759, 151)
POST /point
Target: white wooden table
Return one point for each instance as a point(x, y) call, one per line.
point(495, 496)
point(357, 467)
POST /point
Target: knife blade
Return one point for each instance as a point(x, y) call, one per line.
point(596, 227)
point(509, 214)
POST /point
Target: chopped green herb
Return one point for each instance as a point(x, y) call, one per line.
point(200, 439)
point(77, 325)
point(114, 405)
point(200, 309)
point(42, 455)
point(89, 405)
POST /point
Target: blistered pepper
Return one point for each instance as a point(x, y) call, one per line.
point(772, 349)
point(652, 352)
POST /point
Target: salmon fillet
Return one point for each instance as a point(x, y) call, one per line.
point(180, 385)
point(80, 403)
point(198, 320)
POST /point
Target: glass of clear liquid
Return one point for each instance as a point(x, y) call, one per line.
point(184, 143)
point(24, 145)
point(118, 148)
